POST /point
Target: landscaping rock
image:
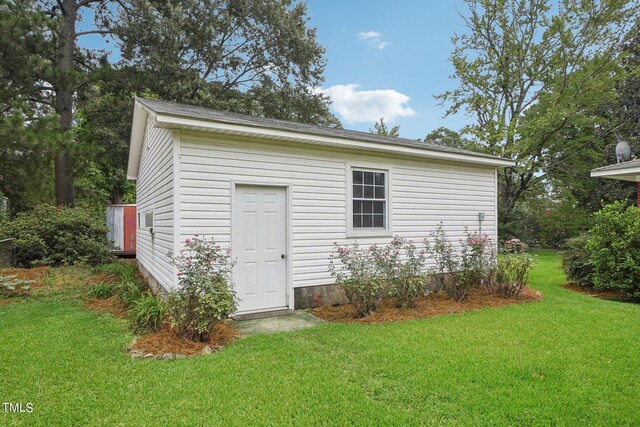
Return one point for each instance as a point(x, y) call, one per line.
point(149, 356)
point(168, 356)
point(181, 356)
point(136, 354)
point(207, 350)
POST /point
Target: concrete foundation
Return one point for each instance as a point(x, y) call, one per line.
point(152, 282)
point(316, 296)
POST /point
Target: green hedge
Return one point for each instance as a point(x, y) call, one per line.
point(56, 236)
point(576, 261)
point(614, 244)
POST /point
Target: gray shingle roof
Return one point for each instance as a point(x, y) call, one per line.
point(190, 111)
point(616, 166)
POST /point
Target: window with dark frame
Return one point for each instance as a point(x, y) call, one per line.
point(369, 199)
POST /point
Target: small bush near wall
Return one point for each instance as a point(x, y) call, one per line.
point(576, 261)
point(58, 236)
point(615, 248)
point(398, 269)
point(203, 297)
point(511, 275)
point(401, 265)
point(461, 270)
point(361, 276)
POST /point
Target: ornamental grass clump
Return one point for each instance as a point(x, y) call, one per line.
point(204, 296)
point(359, 276)
point(148, 313)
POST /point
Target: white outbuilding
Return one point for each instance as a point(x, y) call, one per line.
point(279, 194)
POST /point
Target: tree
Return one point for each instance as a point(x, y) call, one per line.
point(534, 77)
point(66, 68)
point(245, 56)
point(572, 174)
point(27, 125)
point(259, 59)
point(253, 57)
point(380, 128)
point(450, 138)
point(629, 89)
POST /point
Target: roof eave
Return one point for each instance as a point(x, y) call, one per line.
point(622, 174)
point(136, 141)
point(195, 124)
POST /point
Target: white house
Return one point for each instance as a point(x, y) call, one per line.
point(279, 194)
point(625, 171)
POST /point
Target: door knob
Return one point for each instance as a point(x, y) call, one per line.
point(283, 256)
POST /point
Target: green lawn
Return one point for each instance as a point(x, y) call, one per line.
point(569, 359)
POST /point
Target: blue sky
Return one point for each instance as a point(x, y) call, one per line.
point(394, 46)
point(384, 59)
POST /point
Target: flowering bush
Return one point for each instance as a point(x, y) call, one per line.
point(511, 275)
point(358, 274)
point(515, 246)
point(203, 297)
point(460, 271)
point(401, 265)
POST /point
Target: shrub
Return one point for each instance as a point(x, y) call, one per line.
point(511, 275)
point(148, 313)
point(460, 271)
point(203, 297)
point(401, 265)
point(442, 253)
point(471, 266)
point(515, 246)
point(358, 275)
point(102, 291)
point(57, 236)
point(615, 249)
point(576, 261)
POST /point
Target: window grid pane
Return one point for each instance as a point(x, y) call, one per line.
point(369, 199)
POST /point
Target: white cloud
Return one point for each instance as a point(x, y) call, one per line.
point(367, 106)
point(366, 35)
point(374, 38)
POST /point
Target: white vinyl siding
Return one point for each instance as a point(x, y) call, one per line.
point(155, 197)
point(421, 192)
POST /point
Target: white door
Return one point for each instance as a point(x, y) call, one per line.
point(259, 247)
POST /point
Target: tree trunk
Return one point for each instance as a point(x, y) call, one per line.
point(116, 196)
point(64, 104)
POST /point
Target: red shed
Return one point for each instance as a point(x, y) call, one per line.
point(121, 221)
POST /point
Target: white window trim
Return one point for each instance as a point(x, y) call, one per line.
point(369, 232)
point(142, 220)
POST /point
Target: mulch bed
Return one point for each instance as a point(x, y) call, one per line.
point(431, 305)
point(167, 342)
point(113, 305)
point(602, 294)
